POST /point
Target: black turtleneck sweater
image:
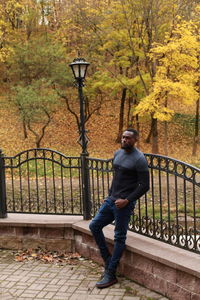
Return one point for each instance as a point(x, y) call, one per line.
point(131, 175)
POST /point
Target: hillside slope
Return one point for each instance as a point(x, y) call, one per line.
point(62, 134)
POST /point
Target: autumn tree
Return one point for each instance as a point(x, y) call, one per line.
point(36, 102)
point(76, 34)
point(176, 73)
point(132, 46)
point(33, 68)
point(124, 33)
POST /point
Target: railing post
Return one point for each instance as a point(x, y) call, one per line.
point(3, 209)
point(85, 187)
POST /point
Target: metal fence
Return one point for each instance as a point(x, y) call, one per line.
point(43, 181)
point(47, 182)
point(170, 211)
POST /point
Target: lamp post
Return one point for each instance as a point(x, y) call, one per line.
point(79, 68)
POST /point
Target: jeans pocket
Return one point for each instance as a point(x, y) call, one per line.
point(104, 206)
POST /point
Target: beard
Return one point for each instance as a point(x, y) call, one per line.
point(126, 146)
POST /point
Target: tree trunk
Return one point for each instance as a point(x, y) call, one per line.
point(130, 116)
point(38, 138)
point(137, 123)
point(196, 130)
point(138, 128)
point(37, 143)
point(24, 129)
point(166, 138)
point(121, 115)
point(166, 129)
point(154, 136)
point(150, 133)
point(43, 12)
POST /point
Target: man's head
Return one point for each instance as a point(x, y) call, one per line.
point(129, 138)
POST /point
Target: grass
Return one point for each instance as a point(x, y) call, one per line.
point(157, 211)
point(130, 291)
point(186, 121)
point(44, 196)
point(41, 168)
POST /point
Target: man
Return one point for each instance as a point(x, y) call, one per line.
point(130, 182)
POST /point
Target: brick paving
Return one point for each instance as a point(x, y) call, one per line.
point(32, 279)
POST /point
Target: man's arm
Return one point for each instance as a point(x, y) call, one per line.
point(142, 180)
point(110, 189)
point(142, 187)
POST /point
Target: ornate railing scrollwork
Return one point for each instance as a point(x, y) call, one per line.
point(46, 181)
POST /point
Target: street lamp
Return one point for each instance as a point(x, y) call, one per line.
point(79, 68)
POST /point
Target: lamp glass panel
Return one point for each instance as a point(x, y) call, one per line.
point(76, 70)
point(83, 70)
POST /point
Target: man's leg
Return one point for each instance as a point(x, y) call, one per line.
point(104, 217)
point(122, 218)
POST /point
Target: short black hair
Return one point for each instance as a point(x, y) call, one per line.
point(134, 131)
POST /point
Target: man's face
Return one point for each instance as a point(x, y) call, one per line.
point(128, 140)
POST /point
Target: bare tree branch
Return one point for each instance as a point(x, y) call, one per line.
point(68, 106)
point(37, 136)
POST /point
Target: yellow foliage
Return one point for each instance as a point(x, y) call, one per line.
point(177, 72)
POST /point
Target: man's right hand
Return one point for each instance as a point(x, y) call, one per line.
point(103, 200)
point(120, 203)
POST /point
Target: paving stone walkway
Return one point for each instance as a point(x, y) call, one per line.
point(28, 280)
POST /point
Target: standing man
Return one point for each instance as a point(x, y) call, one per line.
point(130, 182)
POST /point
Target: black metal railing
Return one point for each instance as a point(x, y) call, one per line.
point(43, 181)
point(170, 211)
point(47, 182)
point(100, 174)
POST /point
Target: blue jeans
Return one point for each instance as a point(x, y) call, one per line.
point(108, 213)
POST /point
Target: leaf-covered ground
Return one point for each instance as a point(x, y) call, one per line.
point(62, 134)
point(58, 258)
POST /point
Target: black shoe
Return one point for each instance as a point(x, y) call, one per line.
point(108, 280)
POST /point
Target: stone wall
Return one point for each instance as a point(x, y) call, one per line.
point(171, 271)
point(24, 237)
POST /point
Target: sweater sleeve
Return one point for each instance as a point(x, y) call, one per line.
point(110, 188)
point(142, 180)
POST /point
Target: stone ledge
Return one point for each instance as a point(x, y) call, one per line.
point(175, 257)
point(166, 254)
point(36, 220)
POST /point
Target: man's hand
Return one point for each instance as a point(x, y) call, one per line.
point(120, 203)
